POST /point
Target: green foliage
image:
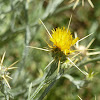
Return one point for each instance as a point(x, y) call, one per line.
point(20, 27)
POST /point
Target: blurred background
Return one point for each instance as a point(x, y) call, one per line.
point(20, 27)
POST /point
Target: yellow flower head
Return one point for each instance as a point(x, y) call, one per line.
point(63, 40)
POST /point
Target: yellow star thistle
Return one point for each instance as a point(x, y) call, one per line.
point(63, 40)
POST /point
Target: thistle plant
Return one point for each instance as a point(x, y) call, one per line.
point(62, 52)
point(62, 41)
point(63, 66)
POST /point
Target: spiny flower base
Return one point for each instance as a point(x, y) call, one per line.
point(57, 54)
